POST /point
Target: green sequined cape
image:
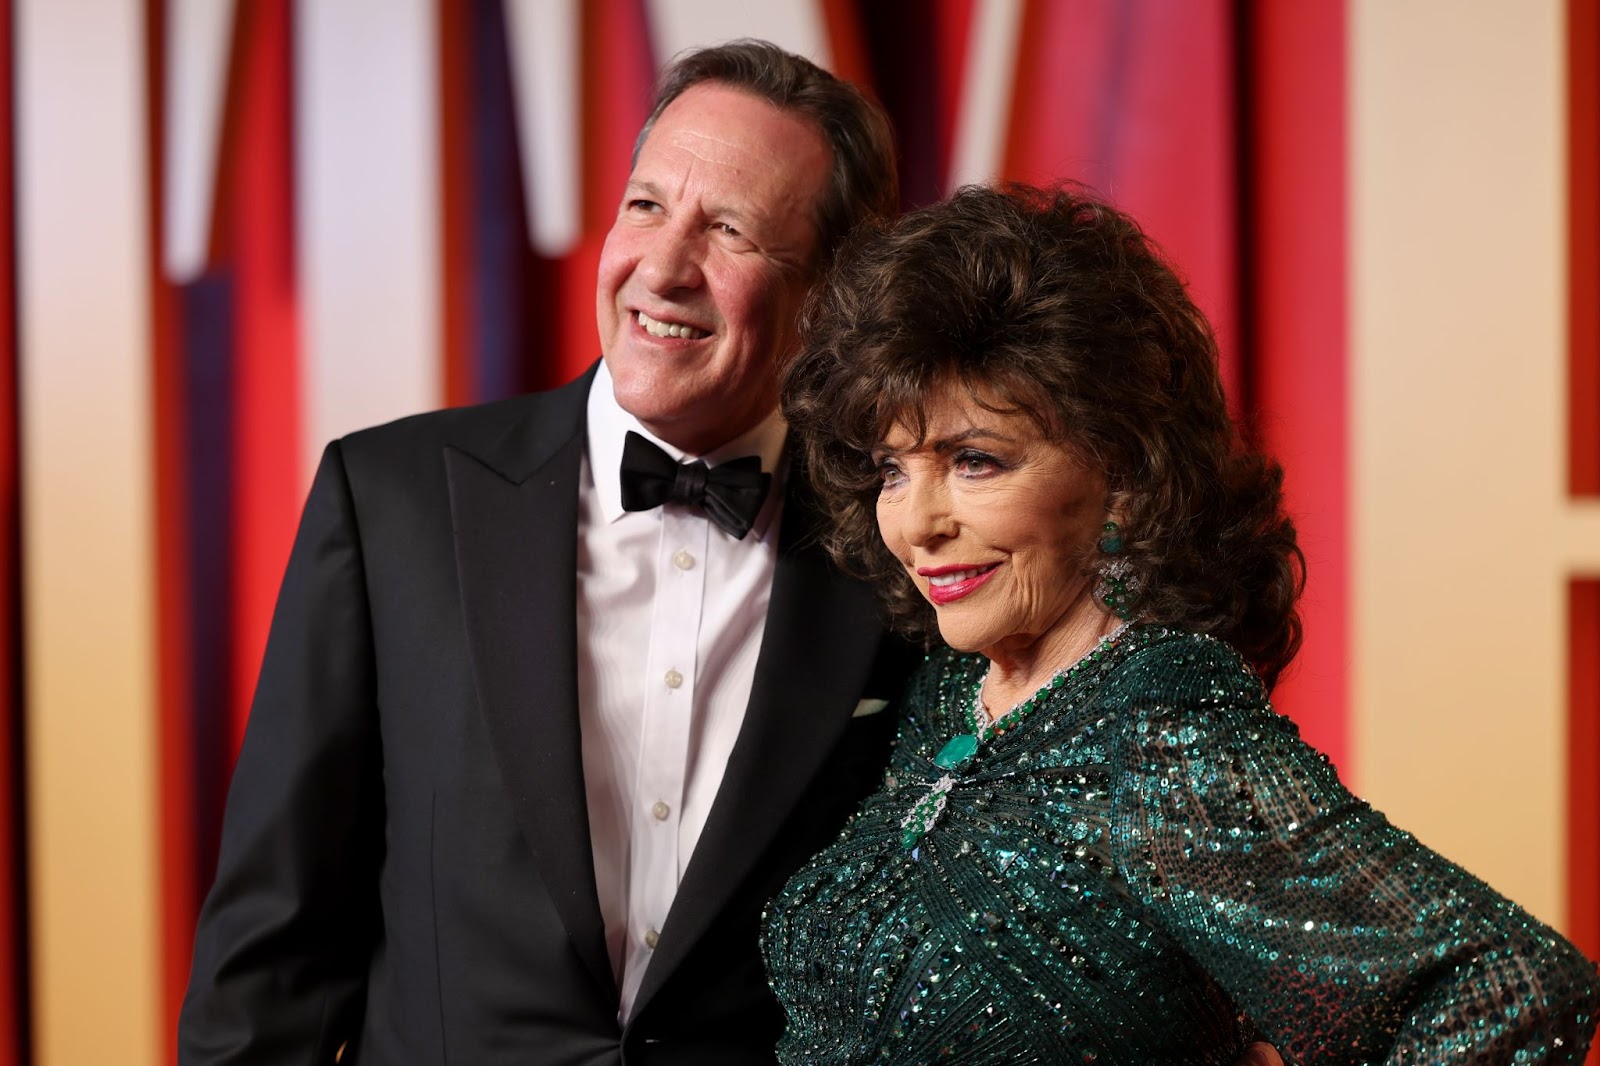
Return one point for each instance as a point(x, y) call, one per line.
point(1151, 868)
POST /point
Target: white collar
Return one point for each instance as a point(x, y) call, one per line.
point(608, 426)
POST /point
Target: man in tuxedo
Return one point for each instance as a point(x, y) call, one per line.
point(560, 690)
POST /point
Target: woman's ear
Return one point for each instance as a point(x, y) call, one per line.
point(1117, 506)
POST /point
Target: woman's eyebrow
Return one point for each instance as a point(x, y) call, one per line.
point(945, 444)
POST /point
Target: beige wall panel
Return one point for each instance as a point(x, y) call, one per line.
point(367, 214)
point(1581, 538)
point(87, 589)
point(1457, 357)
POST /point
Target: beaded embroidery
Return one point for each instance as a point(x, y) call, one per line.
point(959, 751)
point(1151, 868)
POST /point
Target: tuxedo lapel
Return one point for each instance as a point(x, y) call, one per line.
point(821, 636)
point(515, 511)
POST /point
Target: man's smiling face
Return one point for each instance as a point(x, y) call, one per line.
point(707, 264)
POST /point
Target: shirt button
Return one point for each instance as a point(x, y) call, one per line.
point(660, 810)
point(682, 559)
point(674, 679)
point(651, 939)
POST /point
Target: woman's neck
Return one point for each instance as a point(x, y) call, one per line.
point(1020, 666)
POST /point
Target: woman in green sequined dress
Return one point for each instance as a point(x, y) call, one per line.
point(1096, 842)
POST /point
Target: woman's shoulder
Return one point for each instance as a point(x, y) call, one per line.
point(1191, 706)
point(1173, 675)
point(1165, 663)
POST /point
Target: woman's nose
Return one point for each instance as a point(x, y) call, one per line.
point(930, 513)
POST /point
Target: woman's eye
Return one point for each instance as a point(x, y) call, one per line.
point(889, 473)
point(975, 464)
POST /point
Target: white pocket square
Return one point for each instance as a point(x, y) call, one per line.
point(869, 707)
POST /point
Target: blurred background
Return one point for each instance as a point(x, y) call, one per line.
point(239, 228)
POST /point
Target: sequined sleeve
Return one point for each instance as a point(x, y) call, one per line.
point(1341, 937)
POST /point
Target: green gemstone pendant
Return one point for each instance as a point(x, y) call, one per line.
point(957, 750)
point(925, 812)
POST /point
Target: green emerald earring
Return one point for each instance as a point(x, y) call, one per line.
point(1118, 586)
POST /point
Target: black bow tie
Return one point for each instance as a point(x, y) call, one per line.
point(730, 493)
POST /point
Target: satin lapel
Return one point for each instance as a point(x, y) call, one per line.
point(516, 521)
point(816, 656)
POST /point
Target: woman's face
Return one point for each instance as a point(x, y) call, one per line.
point(994, 523)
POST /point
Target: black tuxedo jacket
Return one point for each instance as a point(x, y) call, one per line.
point(405, 865)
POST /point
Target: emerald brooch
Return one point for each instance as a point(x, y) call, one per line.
point(960, 749)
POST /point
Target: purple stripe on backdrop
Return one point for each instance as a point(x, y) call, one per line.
point(504, 258)
point(1111, 108)
point(206, 339)
point(901, 44)
point(1248, 136)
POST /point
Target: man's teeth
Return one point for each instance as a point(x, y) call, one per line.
point(940, 580)
point(669, 329)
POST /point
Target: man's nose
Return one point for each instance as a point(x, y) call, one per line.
point(672, 258)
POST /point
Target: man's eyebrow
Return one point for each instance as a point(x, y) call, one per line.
point(744, 219)
point(741, 217)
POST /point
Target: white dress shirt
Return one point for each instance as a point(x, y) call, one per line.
point(670, 615)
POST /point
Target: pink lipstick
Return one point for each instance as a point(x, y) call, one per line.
point(947, 584)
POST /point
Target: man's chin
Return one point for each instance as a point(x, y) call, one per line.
point(676, 420)
point(638, 391)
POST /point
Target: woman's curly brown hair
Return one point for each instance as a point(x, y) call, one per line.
point(1053, 304)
